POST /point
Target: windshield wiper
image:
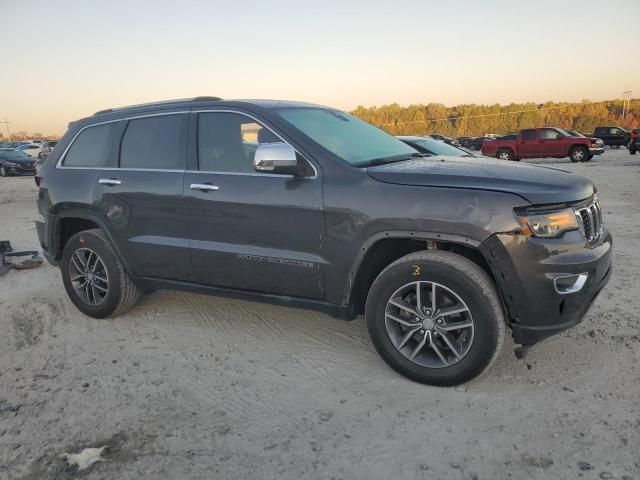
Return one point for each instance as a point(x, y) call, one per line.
point(392, 159)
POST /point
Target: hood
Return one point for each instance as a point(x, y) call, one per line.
point(539, 185)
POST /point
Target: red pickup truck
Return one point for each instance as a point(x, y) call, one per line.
point(544, 142)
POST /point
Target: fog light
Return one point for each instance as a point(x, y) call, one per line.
point(569, 283)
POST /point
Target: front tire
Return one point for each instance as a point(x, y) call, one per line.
point(578, 154)
point(4, 172)
point(435, 317)
point(94, 277)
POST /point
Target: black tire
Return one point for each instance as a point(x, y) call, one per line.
point(121, 292)
point(578, 154)
point(504, 154)
point(4, 172)
point(474, 288)
point(588, 159)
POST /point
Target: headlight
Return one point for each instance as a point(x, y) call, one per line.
point(548, 225)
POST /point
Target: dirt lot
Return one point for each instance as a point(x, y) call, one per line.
point(190, 386)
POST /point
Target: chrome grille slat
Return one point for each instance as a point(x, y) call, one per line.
point(590, 217)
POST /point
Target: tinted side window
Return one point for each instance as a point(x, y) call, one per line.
point(227, 142)
point(155, 143)
point(92, 148)
point(548, 134)
point(528, 135)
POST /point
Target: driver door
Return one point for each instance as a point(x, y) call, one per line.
point(248, 230)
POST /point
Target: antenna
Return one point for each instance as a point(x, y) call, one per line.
point(6, 124)
point(626, 103)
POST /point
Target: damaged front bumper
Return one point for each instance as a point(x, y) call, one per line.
point(548, 285)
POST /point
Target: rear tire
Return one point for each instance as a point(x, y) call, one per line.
point(94, 277)
point(463, 289)
point(578, 154)
point(504, 154)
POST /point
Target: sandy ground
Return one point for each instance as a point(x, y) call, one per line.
point(190, 386)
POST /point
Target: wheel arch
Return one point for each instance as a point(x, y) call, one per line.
point(383, 248)
point(71, 221)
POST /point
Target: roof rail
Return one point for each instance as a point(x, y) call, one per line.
point(162, 102)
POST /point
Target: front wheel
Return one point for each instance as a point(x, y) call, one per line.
point(4, 172)
point(578, 154)
point(94, 277)
point(435, 317)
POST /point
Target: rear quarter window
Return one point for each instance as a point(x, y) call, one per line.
point(92, 147)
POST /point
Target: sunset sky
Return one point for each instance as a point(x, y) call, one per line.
point(66, 59)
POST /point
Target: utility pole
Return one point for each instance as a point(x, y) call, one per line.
point(626, 103)
point(6, 124)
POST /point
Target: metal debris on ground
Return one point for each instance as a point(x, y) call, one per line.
point(10, 259)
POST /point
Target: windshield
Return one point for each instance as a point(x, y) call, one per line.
point(562, 132)
point(574, 133)
point(438, 148)
point(13, 154)
point(348, 137)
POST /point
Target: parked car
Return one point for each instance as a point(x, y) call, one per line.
point(614, 137)
point(464, 141)
point(433, 147)
point(30, 149)
point(544, 142)
point(438, 253)
point(46, 149)
point(15, 162)
point(476, 143)
point(510, 136)
point(445, 139)
point(634, 142)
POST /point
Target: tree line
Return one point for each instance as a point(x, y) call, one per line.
point(475, 120)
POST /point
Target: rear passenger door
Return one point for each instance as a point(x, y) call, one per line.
point(250, 230)
point(141, 201)
point(527, 146)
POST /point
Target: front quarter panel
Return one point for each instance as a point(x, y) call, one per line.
point(360, 210)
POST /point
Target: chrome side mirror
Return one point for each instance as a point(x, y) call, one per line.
point(275, 158)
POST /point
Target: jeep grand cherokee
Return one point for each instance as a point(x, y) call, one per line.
point(305, 205)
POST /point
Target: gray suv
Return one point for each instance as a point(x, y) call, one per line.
point(305, 205)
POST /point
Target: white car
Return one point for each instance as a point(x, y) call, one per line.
point(30, 149)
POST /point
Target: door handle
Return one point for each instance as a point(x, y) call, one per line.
point(204, 187)
point(109, 181)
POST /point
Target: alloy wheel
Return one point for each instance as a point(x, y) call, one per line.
point(429, 324)
point(88, 276)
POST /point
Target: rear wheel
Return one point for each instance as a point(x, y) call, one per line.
point(504, 154)
point(578, 154)
point(435, 317)
point(94, 277)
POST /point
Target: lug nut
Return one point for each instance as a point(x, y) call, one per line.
point(439, 321)
point(422, 332)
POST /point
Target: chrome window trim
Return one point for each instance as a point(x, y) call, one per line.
point(260, 122)
point(124, 118)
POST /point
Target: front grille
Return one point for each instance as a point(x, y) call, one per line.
point(590, 218)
